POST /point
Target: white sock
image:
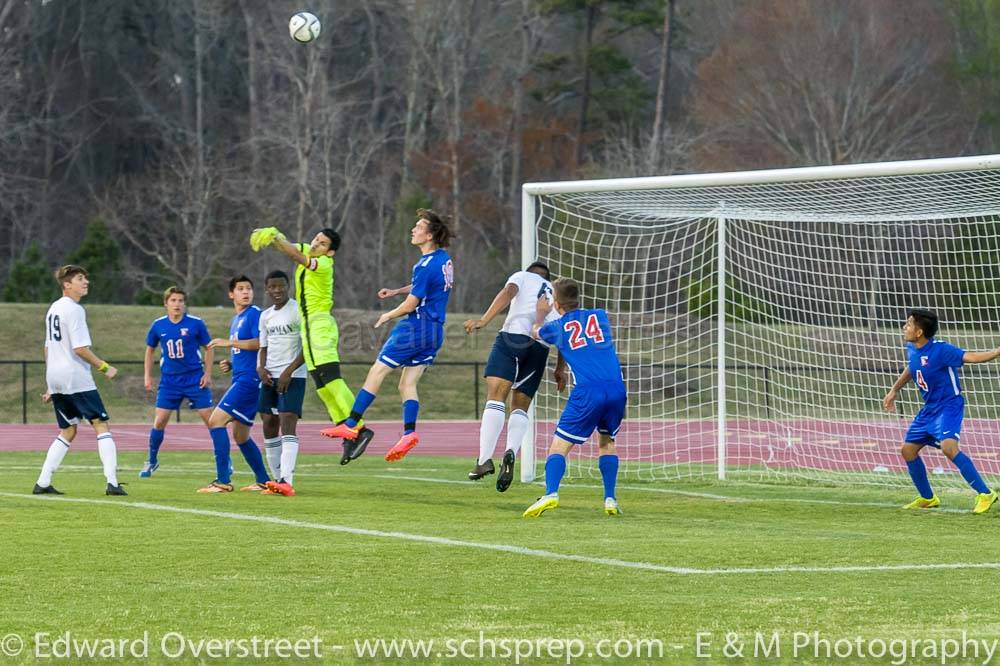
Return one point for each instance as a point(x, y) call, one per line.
point(272, 448)
point(57, 451)
point(289, 454)
point(517, 426)
point(489, 429)
point(109, 457)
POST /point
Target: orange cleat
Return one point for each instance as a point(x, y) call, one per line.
point(341, 430)
point(280, 488)
point(217, 487)
point(253, 488)
point(402, 447)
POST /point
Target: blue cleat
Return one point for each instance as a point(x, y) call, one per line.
point(148, 469)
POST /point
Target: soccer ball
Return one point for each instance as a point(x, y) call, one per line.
point(304, 27)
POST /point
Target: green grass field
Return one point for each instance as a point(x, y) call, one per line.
point(372, 552)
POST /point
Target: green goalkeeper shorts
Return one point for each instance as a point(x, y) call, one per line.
point(320, 336)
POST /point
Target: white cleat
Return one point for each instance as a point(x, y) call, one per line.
point(611, 507)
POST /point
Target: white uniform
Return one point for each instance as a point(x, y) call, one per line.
point(66, 330)
point(279, 332)
point(521, 314)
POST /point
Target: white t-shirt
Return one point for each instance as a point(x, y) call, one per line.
point(66, 330)
point(279, 332)
point(521, 314)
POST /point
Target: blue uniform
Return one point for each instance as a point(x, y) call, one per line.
point(934, 368)
point(181, 366)
point(240, 401)
point(598, 400)
point(417, 339)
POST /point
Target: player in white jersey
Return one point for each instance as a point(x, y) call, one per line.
point(282, 371)
point(517, 362)
point(70, 384)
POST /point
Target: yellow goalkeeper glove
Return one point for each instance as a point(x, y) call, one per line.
point(261, 238)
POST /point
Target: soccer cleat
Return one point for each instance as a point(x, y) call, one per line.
point(611, 507)
point(279, 488)
point(217, 487)
point(402, 447)
point(115, 490)
point(253, 488)
point(148, 469)
point(268, 491)
point(479, 471)
point(984, 501)
point(341, 430)
point(47, 490)
point(353, 448)
point(506, 474)
point(924, 503)
point(541, 505)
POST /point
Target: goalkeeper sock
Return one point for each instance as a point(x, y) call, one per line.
point(970, 473)
point(410, 410)
point(489, 428)
point(361, 403)
point(223, 463)
point(57, 451)
point(609, 473)
point(918, 472)
point(155, 441)
point(555, 468)
point(272, 448)
point(517, 427)
point(252, 455)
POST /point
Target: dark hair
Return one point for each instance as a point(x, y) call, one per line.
point(68, 272)
point(275, 275)
point(333, 236)
point(926, 321)
point(567, 293)
point(543, 270)
point(437, 225)
point(236, 280)
point(170, 291)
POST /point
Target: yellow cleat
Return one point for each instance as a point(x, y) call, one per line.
point(611, 507)
point(984, 501)
point(924, 503)
point(541, 505)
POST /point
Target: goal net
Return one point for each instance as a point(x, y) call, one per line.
point(816, 269)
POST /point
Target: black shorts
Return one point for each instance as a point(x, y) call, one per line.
point(289, 402)
point(73, 407)
point(519, 359)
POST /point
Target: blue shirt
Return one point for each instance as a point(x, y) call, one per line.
point(432, 279)
point(934, 368)
point(180, 344)
point(245, 326)
point(583, 337)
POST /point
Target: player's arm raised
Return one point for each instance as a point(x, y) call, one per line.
point(981, 357)
point(389, 293)
point(499, 304)
point(91, 358)
point(889, 401)
point(290, 250)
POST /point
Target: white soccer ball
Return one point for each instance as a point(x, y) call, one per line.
point(304, 27)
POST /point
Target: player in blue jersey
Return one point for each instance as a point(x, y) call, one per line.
point(183, 375)
point(933, 366)
point(239, 403)
point(415, 341)
point(583, 338)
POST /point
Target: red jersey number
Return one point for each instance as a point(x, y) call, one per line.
point(579, 336)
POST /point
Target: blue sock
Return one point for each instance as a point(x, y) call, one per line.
point(918, 472)
point(555, 467)
point(609, 472)
point(155, 440)
point(220, 442)
point(410, 410)
point(361, 403)
point(256, 461)
point(970, 473)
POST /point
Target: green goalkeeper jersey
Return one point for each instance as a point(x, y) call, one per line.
point(314, 284)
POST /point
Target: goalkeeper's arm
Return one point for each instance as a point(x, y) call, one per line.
point(290, 250)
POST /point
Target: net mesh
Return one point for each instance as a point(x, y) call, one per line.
point(819, 275)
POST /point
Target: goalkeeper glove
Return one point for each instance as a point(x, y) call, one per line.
point(261, 238)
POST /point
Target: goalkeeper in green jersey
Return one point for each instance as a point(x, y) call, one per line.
point(320, 335)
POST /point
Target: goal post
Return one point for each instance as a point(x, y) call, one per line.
point(757, 313)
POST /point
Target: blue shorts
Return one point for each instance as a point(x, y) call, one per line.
point(931, 426)
point(289, 402)
point(72, 407)
point(590, 407)
point(240, 401)
point(175, 388)
point(412, 342)
point(519, 359)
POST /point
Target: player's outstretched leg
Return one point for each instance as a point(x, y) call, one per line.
point(918, 473)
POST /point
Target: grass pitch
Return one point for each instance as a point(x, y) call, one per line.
point(413, 552)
